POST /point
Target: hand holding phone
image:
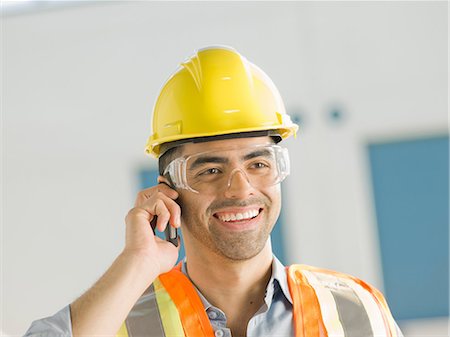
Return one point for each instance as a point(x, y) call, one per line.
point(170, 232)
point(155, 209)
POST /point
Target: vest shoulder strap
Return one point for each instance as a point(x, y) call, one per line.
point(329, 303)
point(171, 306)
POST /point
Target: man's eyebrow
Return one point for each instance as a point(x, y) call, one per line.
point(258, 153)
point(223, 160)
point(206, 160)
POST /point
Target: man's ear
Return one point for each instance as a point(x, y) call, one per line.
point(165, 180)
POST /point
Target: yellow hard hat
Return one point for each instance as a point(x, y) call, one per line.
point(217, 92)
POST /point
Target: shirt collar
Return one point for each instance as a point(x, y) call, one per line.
point(278, 274)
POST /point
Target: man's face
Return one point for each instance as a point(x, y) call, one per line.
point(231, 218)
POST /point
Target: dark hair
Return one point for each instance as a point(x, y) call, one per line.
point(172, 149)
point(167, 157)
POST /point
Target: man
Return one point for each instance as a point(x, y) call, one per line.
point(216, 127)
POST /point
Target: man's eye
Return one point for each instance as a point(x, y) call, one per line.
point(210, 171)
point(259, 165)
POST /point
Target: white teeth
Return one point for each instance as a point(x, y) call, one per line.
point(239, 216)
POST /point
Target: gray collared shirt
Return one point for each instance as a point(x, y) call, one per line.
point(274, 318)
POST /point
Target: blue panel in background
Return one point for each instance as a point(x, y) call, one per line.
point(277, 238)
point(410, 182)
point(148, 178)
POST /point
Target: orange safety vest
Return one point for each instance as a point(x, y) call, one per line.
point(325, 304)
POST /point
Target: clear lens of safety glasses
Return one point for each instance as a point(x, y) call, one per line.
point(210, 172)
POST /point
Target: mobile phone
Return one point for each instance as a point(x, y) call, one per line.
point(170, 233)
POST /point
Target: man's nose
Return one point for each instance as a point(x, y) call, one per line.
point(238, 185)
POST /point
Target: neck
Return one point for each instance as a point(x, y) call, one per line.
point(233, 286)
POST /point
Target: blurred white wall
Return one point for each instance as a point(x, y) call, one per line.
point(78, 86)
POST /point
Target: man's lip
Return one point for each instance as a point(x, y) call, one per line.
point(235, 210)
point(239, 225)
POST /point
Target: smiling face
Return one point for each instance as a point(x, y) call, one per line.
point(231, 218)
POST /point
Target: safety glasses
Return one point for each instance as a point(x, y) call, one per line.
point(213, 171)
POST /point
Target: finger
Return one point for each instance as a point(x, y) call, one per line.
point(171, 207)
point(162, 213)
point(175, 212)
point(138, 216)
point(166, 210)
point(147, 193)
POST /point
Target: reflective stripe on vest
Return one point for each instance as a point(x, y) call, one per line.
point(152, 313)
point(325, 304)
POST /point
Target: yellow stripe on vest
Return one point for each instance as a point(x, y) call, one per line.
point(122, 331)
point(168, 312)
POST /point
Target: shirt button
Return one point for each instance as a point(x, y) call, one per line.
point(218, 333)
point(212, 315)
